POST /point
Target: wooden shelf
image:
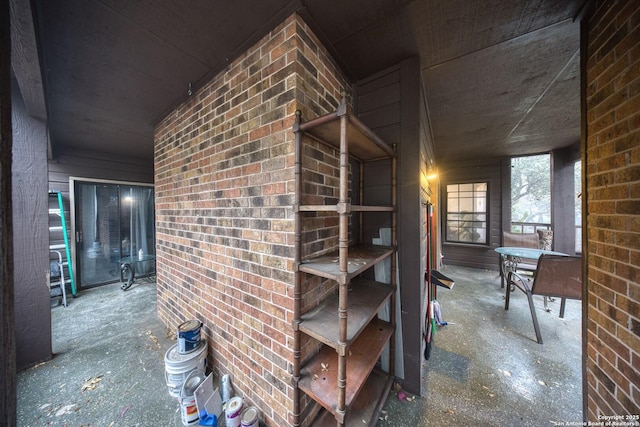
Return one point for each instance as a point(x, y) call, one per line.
point(354, 208)
point(320, 375)
point(362, 390)
point(366, 297)
point(362, 412)
point(363, 208)
point(361, 257)
point(363, 143)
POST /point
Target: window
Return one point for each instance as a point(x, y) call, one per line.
point(530, 193)
point(467, 213)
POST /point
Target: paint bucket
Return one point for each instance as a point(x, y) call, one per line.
point(178, 366)
point(189, 336)
point(250, 417)
point(188, 407)
point(232, 412)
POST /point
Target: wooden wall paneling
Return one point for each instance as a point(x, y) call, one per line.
point(476, 256)
point(31, 237)
point(409, 214)
point(563, 196)
point(99, 166)
point(378, 105)
point(377, 191)
point(506, 197)
point(7, 329)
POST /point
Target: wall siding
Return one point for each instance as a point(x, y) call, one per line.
point(224, 174)
point(563, 199)
point(489, 170)
point(31, 234)
point(7, 319)
point(612, 164)
point(378, 105)
point(92, 165)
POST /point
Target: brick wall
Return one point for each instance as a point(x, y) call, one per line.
point(612, 158)
point(224, 192)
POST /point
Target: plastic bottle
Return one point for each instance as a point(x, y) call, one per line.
point(227, 389)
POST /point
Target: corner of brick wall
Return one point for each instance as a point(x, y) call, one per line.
point(613, 206)
point(224, 220)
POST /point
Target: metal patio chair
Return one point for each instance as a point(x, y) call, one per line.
point(555, 276)
point(520, 240)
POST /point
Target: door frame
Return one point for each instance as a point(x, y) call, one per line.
point(72, 210)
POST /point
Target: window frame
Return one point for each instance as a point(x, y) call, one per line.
point(446, 217)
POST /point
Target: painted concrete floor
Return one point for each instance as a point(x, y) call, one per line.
point(108, 368)
point(485, 368)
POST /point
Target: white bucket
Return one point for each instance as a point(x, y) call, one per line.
point(232, 411)
point(178, 366)
point(250, 417)
point(188, 407)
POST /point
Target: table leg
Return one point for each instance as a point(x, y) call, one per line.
point(509, 265)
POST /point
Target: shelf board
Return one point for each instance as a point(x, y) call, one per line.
point(354, 208)
point(366, 208)
point(321, 384)
point(365, 298)
point(363, 143)
point(366, 409)
point(318, 208)
point(361, 257)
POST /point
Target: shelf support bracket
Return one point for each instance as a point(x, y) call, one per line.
point(341, 415)
point(343, 208)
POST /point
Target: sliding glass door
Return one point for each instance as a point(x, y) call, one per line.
point(111, 221)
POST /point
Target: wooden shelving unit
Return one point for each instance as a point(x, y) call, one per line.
point(343, 376)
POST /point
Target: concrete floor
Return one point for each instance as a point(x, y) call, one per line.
point(114, 340)
point(485, 367)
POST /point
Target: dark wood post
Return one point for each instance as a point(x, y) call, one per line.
point(411, 273)
point(7, 329)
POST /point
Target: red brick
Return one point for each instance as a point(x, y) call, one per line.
point(228, 153)
point(614, 172)
point(628, 108)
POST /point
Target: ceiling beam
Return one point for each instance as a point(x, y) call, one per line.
point(25, 61)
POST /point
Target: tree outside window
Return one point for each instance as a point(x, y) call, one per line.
point(467, 213)
point(531, 189)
